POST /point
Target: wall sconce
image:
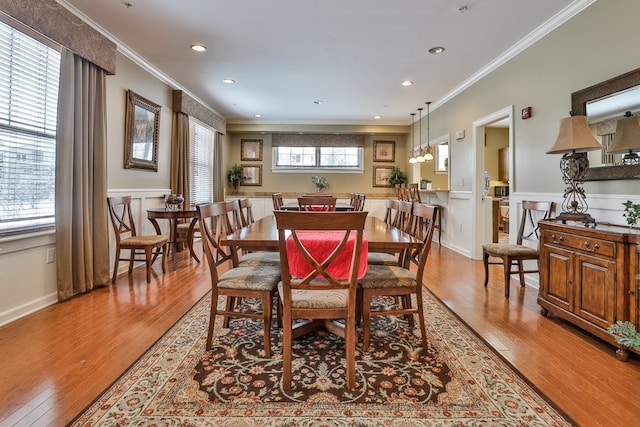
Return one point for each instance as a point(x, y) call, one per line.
point(573, 141)
point(627, 139)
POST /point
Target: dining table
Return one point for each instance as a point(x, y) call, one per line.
point(294, 206)
point(173, 216)
point(262, 235)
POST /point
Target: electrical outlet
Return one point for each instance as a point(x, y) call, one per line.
point(461, 181)
point(51, 255)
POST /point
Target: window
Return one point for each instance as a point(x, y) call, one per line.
point(201, 161)
point(29, 75)
point(318, 157)
point(319, 151)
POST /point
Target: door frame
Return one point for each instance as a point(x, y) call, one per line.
point(477, 173)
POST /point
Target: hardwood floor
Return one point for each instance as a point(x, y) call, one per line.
point(56, 361)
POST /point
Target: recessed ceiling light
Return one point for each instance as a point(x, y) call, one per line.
point(228, 81)
point(377, 117)
point(198, 47)
point(436, 50)
point(257, 116)
point(407, 83)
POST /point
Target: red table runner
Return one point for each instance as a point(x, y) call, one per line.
point(320, 244)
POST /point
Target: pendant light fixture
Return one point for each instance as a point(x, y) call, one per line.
point(428, 156)
point(420, 158)
point(412, 135)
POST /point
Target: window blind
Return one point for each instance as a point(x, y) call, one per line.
point(201, 162)
point(29, 75)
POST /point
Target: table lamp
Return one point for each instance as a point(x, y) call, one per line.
point(627, 139)
point(573, 141)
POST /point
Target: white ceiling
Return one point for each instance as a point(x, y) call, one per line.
point(351, 54)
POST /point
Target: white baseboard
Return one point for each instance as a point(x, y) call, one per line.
point(28, 308)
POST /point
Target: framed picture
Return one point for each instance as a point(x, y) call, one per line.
point(384, 151)
point(253, 174)
point(251, 149)
point(381, 176)
point(142, 124)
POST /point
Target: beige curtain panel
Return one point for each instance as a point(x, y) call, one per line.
point(82, 237)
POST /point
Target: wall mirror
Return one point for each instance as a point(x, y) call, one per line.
point(142, 123)
point(603, 104)
point(437, 170)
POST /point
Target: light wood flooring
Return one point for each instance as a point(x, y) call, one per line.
point(55, 362)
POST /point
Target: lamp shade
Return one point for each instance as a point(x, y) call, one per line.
point(627, 137)
point(574, 135)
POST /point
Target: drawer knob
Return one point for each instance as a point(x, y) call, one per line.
point(595, 247)
point(557, 239)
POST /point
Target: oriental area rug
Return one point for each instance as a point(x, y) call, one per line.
point(457, 381)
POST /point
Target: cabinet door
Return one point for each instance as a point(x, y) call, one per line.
point(558, 273)
point(594, 287)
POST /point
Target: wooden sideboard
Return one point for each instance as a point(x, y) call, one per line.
point(588, 276)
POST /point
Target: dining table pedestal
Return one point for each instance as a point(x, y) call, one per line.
point(173, 216)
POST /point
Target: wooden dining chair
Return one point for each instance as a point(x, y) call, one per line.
point(391, 210)
point(127, 238)
point(402, 220)
point(402, 193)
point(277, 201)
point(515, 254)
point(357, 201)
point(246, 212)
point(240, 215)
point(319, 295)
point(251, 281)
point(317, 203)
point(414, 192)
point(400, 282)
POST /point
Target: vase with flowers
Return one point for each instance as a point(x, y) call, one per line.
point(320, 182)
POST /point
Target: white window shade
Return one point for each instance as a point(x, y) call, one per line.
point(29, 75)
point(201, 139)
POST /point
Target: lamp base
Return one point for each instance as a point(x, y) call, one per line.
point(587, 219)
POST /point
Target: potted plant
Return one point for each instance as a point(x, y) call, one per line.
point(625, 334)
point(397, 176)
point(631, 212)
point(320, 182)
point(236, 176)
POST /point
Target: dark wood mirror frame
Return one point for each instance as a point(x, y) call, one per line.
point(579, 102)
point(142, 124)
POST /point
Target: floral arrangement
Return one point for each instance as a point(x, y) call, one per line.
point(320, 182)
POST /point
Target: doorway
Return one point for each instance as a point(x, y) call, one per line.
point(482, 206)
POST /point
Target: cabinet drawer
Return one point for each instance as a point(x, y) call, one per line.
point(581, 243)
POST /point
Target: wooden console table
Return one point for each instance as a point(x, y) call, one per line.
point(587, 276)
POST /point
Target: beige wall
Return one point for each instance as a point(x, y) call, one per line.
point(296, 182)
point(27, 282)
point(131, 77)
point(582, 52)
